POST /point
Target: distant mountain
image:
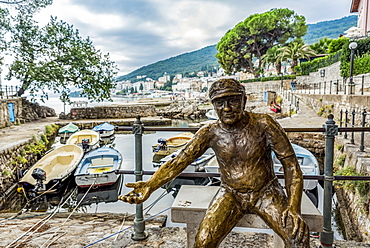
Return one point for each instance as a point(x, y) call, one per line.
point(329, 29)
point(184, 63)
point(194, 61)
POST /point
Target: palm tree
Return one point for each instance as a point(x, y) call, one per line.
point(273, 57)
point(294, 51)
point(322, 46)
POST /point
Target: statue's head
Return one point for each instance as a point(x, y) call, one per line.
point(226, 87)
point(228, 99)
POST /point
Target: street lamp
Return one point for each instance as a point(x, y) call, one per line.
point(351, 85)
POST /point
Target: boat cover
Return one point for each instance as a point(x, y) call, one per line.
point(69, 128)
point(103, 127)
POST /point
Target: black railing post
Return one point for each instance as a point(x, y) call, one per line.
point(331, 84)
point(362, 84)
point(362, 147)
point(341, 119)
point(337, 86)
point(139, 222)
point(346, 123)
point(331, 130)
point(324, 87)
point(353, 125)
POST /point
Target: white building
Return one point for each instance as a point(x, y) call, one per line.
point(362, 7)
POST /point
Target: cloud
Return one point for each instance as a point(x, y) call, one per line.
point(140, 32)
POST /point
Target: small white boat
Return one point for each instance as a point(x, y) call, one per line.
point(98, 167)
point(166, 147)
point(87, 139)
point(105, 130)
point(49, 173)
point(66, 131)
point(212, 115)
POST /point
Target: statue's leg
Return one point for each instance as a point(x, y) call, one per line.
point(220, 218)
point(270, 208)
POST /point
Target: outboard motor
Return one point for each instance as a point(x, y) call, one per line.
point(39, 175)
point(162, 144)
point(85, 144)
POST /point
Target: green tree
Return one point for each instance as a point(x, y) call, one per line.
point(294, 51)
point(4, 29)
point(249, 40)
point(56, 57)
point(141, 87)
point(273, 56)
point(322, 46)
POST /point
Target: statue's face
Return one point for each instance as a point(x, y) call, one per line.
point(229, 108)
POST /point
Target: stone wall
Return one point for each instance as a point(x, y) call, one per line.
point(106, 112)
point(4, 112)
point(24, 111)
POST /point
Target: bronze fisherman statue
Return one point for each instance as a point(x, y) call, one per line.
point(242, 142)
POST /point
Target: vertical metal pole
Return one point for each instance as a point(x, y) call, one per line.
point(353, 124)
point(324, 87)
point(331, 83)
point(346, 123)
point(362, 147)
point(341, 120)
point(337, 85)
point(139, 223)
point(331, 130)
point(297, 104)
point(362, 84)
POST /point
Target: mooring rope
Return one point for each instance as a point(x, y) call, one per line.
point(44, 220)
point(100, 240)
point(74, 209)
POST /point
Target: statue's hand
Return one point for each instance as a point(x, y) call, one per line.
point(140, 193)
point(299, 228)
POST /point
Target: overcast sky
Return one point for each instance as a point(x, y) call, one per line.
point(139, 32)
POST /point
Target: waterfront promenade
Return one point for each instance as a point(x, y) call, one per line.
point(85, 229)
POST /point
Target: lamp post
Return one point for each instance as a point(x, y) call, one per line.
point(351, 85)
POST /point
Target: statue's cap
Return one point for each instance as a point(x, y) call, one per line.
point(225, 87)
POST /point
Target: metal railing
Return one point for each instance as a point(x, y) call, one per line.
point(334, 87)
point(330, 129)
point(7, 92)
point(354, 119)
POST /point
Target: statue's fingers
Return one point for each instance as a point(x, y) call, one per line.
point(130, 185)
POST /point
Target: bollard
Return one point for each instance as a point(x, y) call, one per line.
point(331, 130)
point(362, 147)
point(139, 222)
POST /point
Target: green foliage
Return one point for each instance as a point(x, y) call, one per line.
point(294, 51)
point(314, 65)
point(251, 39)
point(322, 46)
point(361, 63)
point(329, 29)
point(56, 57)
point(361, 187)
point(337, 45)
point(339, 162)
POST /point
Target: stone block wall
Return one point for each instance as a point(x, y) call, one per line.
point(4, 112)
point(114, 112)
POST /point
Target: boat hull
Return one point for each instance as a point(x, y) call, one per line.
point(98, 167)
point(58, 165)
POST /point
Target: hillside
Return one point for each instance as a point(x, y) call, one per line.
point(194, 61)
point(330, 29)
point(184, 63)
